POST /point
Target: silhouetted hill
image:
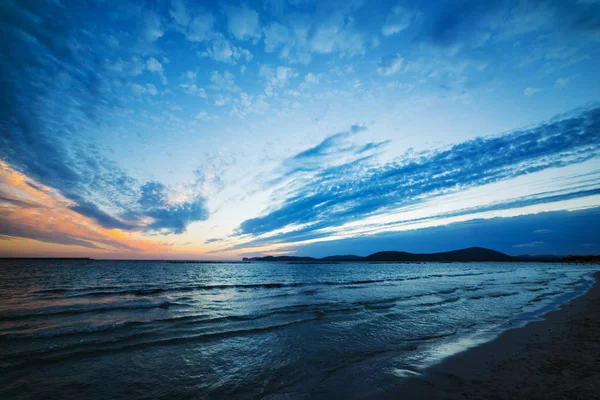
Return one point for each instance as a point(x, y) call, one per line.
point(470, 254)
point(465, 255)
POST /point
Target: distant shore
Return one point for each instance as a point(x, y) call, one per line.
point(555, 358)
point(471, 254)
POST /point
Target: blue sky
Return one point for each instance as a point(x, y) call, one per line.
point(216, 129)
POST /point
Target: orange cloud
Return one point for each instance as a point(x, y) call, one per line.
point(32, 215)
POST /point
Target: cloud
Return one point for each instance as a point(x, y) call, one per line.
point(530, 91)
point(390, 65)
point(243, 22)
point(204, 116)
point(248, 104)
point(139, 90)
point(311, 78)
point(276, 78)
point(30, 210)
point(276, 36)
point(44, 56)
point(168, 216)
point(352, 191)
point(398, 20)
point(323, 230)
point(150, 26)
point(221, 100)
point(335, 150)
point(223, 82)
point(193, 89)
point(331, 144)
point(572, 229)
point(290, 39)
point(179, 13)
point(329, 28)
point(134, 67)
point(189, 85)
point(562, 82)
point(198, 27)
point(469, 24)
point(529, 245)
point(222, 50)
point(332, 36)
point(373, 146)
point(154, 66)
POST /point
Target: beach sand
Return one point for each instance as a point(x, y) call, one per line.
point(555, 358)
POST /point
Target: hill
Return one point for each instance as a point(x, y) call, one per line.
point(464, 255)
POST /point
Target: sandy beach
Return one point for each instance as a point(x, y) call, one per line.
point(555, 358)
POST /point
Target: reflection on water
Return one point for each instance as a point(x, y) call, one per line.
point(252, 330)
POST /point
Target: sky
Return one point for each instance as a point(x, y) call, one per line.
point(217, 130)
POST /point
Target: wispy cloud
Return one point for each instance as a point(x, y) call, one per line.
point(398, 20)
point(335, 150)
point(530, 91)
point(390, 65)
point(350, 192)
point(529, 245)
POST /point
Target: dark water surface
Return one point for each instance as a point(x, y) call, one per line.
point(133, 330)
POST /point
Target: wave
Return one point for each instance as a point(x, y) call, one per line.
point(391, 301)
point(68, 312)
point(448, 291)
point(577, 282)
point(75, 332)
point(98, 291)
point(438, 303)
point(502, 294)
point(79, 351)
point(544, 296)
point(431, 337)
point(473, 288)
point(67, 290)
point(539, 282)
point(379, 305)
point(493, 295)
point(319, 310)
point(153, 291)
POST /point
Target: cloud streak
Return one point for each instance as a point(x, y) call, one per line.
point(350, 192)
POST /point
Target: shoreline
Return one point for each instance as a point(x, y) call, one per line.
point(555, 357)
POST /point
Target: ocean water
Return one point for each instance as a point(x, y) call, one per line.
point(148, 329)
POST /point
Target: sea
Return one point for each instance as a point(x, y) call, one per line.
point(86, 329)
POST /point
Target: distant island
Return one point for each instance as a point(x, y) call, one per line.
point(471, 254)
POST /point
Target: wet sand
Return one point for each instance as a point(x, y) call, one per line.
point(555, 358)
